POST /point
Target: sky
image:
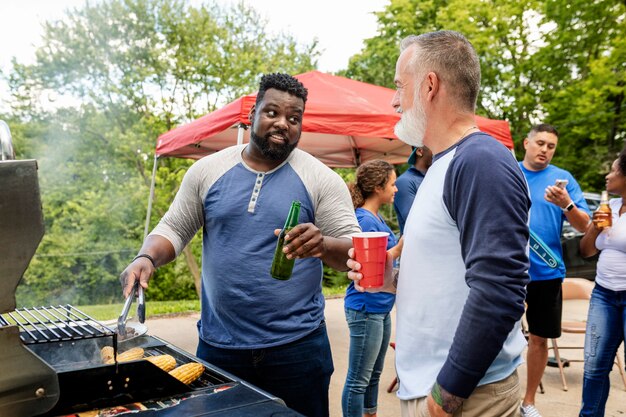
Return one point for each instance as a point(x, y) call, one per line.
point(339, 25)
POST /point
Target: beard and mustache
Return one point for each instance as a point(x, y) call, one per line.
point(272, 150)
point(411, 127)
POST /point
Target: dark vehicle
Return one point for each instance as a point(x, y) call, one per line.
point(576, 265)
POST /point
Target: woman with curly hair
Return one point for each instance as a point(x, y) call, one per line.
point(368, 314)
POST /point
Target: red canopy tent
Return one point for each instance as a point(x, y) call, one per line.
point(346, 123)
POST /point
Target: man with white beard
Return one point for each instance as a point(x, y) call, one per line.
point(461, 283)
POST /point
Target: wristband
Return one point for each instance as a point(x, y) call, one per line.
point(569, 207)
point(145, 255)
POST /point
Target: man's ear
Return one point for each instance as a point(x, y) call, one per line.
point(432, 82)
point(526, 140)
point(251, 113)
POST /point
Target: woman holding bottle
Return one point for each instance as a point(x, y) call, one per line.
point(606, 321)
point(368, 314)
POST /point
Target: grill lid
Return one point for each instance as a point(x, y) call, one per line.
point(21, 225)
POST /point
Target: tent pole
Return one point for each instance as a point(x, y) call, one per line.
point(150, 197)
point(240, 131)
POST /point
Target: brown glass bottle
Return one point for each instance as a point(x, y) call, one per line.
point(605, 208)
point(281, 266)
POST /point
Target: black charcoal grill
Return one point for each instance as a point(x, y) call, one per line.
point(50, 362)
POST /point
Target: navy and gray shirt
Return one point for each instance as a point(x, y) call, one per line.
point(238, 209)
point(463, 273)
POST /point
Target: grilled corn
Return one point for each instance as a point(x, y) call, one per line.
point(129, 355)
point(165, 362)
point(188, 372)
point(107, 353)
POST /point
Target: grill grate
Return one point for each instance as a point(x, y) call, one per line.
point(54, 324)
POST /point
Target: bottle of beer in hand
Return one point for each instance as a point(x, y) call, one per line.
point(281, 266)
point(604, 208)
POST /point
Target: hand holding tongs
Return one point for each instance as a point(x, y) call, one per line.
point(141, 308)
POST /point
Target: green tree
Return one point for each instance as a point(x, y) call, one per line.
point(555, 61)
point(131, 70)
point(585, 100)
point(502, 32)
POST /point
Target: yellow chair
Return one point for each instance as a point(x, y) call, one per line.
point(577, 289)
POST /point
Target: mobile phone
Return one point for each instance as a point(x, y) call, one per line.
point(561, 183)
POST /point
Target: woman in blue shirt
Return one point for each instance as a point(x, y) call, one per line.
point(368, 314)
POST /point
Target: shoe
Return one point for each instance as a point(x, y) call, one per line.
point(529, 411)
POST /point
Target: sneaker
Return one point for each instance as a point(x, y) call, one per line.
point(529, 411)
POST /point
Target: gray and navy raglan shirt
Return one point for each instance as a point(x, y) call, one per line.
point(463, 272)
point(239, 209)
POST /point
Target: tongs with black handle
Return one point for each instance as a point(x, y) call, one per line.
point(141, 308)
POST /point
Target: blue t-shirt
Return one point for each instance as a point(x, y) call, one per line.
point(407, 185)
point(380, 302)
point(238, 209)
point(546, 219)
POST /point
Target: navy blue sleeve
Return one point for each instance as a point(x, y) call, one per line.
point(486, 194)
point(403, 200)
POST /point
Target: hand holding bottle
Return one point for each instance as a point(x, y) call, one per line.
point(601, 220)
point(282, 265)
point(303, 241)
point(603, 217)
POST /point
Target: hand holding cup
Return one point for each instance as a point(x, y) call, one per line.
point(370, 264)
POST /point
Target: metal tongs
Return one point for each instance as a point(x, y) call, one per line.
point(141, 309)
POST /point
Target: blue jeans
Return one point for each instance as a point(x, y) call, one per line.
point(297, 372)
point(369, 338)
point(606, 326)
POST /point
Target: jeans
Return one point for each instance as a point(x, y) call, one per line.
point(297, 372)
point(369, 338)
point(606, 326)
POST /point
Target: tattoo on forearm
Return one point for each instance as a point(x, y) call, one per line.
point(448, 402)
point(396, 274)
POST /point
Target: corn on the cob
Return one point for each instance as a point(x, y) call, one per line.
point(129, 355)
point(107, 353)
point(165, 362)
point(188, 372)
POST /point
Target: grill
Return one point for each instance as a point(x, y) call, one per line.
point(54, 324)
point(50, 357)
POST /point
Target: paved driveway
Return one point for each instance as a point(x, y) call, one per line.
point(181, 331)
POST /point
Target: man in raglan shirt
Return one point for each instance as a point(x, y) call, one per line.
point(461, 282)
point(268, 332)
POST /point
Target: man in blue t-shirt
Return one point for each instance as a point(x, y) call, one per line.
point(409, 182)
point(556, 196)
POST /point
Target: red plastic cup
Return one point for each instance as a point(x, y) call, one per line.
point(370, 250)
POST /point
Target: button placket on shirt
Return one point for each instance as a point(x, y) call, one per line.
point(255, 192)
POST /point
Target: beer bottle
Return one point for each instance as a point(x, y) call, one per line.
point(604, 208)
point(281, 266)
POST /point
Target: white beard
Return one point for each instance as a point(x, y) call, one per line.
point(411, 127)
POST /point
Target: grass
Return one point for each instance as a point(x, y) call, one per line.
point(104, 312)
